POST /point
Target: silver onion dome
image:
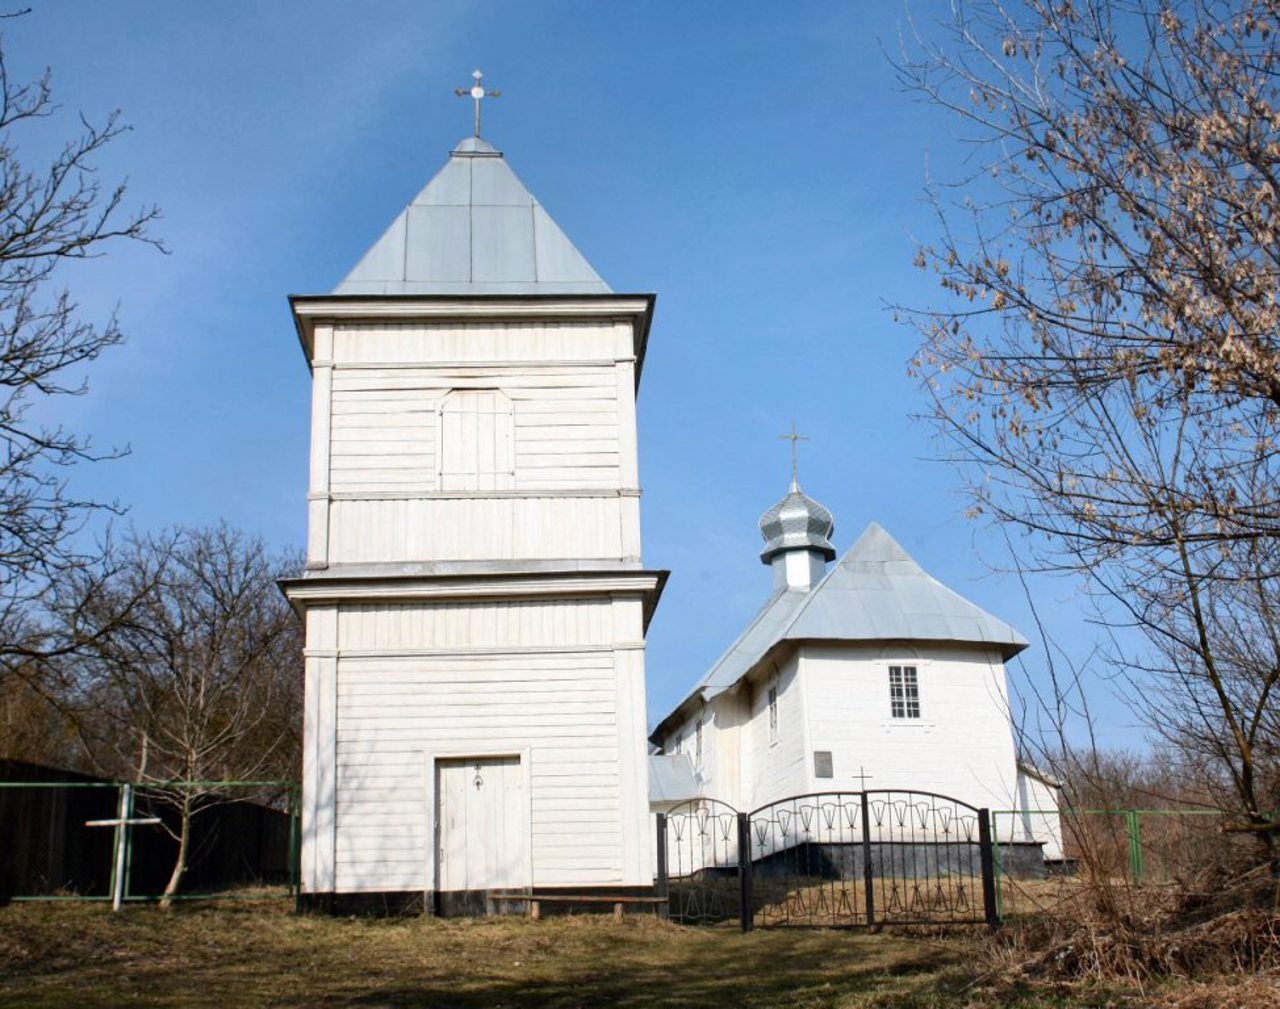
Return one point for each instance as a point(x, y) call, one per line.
point(797, 522)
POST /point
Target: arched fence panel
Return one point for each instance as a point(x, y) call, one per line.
point(699, 862)
point(807, 859)
point(829, 859)
point(931, 859)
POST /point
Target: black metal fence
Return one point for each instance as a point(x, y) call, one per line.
point(829, 859)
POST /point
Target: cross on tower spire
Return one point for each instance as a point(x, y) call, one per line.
point(794, 437)
point(477, 93)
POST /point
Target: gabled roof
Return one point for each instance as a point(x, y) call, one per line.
point(475, 229)
point(875, 592)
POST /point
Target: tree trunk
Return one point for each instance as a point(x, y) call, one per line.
point(180, 865)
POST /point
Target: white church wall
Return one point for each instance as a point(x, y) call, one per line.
point(550, 681)
point(1035, 816)
point(778, 753)
point(960, 746)
point(729, 727)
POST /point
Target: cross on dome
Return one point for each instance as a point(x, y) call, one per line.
point(477, 94)
point(794, 437)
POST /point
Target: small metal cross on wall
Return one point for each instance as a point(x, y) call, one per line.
point(794, 437)
point(863, 776)
point(477, 93)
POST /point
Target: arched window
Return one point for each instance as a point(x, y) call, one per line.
point(477, 440)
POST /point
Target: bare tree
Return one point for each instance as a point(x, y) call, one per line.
point(1109, 376)
point(51, 214)
point(203, 683)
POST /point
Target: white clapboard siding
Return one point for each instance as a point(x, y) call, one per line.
point(418, 427)
point(533, 677)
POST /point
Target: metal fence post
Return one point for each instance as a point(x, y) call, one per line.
point(745, 910)
point(1136, 861)
point(998, 863)
point(128, 843)
point(664, 878)
point(295, 838)
point(987, 856)
point(868, 873)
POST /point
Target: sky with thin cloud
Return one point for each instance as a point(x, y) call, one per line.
point(754, 164)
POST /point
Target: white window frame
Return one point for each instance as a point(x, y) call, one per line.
point(904, 695)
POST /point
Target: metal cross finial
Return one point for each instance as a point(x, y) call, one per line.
point(794, 437)
point(863, 776)
point(477, 94)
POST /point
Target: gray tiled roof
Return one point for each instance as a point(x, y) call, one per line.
point(475, 229)
point(875, 592)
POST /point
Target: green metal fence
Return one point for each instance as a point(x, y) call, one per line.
point(113, 841)
point(1128, 846)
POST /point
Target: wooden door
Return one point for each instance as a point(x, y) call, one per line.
point(482, 827)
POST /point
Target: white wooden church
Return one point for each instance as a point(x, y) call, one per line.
point(476, 602)
point(863, 674)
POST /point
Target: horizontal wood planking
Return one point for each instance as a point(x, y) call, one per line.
point(495, 624)
point(395, 710)
point(385, 424)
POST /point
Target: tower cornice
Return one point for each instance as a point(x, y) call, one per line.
point(311, 310)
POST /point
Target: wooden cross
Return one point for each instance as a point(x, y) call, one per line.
point(122, 823)
point(477, 94)
point(794, 437)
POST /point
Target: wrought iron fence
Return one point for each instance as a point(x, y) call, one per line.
point(829, 859)
point(116, 841)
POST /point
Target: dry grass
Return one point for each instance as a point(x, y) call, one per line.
point(1213, 945)
point(253, 954)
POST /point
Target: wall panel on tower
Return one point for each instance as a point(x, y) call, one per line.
point(497, 528)
point(394, 712)
point(481, 341)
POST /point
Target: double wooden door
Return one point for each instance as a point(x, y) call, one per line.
point(482, 830)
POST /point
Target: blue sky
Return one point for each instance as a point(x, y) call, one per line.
point(755, 164)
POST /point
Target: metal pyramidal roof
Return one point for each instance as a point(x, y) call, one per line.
point(475, 229)
point(876, 592)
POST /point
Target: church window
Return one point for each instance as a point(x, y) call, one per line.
point(904, 692)
point(679, 747)
point(698, 741)
point(477, 441)
point(773, 712)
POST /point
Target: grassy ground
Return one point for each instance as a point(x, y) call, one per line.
point(251, 955)
point(240, 956)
